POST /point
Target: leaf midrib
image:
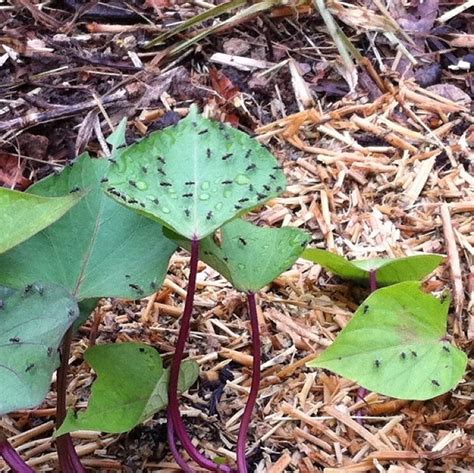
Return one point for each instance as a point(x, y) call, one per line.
point(87, 256)
point(196, 187)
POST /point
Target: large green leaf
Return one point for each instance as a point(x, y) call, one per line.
point(195, 176)
point(6, 292)
point(22, 215)
point(388, 271)
point(248, 256)
point(395, 345)
point(99, 248)
point(131, 386)
point(32, 323)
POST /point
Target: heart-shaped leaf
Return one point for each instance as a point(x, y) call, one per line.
point(131, 386)
point(248, 256)
point(395, 345)
point(23, 214)
point(195, 176)
point(32, 324)
point(388, 271)
point(97, 249)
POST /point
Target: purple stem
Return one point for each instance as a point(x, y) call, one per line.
point(373, 280)
point(252, 399)
point(13, 460)
point(67, 455)
point(174, 449)
point(177, 423)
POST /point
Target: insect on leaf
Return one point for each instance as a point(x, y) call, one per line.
point(33, 321)
point(395, 345)
point(388, 271)
point(195, 176)
point(99, 248)
point(131, 386)
point(117, 138)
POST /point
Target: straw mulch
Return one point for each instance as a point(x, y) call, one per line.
point(379, 161)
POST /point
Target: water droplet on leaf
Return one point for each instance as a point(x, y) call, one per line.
point(141, 185)
point(242, 179)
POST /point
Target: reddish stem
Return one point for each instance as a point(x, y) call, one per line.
point(177, 423)
point(373, 280)
point(13, 460)
point(67, 455)
point(174, 449)
point(252, 399)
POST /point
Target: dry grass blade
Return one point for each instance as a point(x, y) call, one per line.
point(196, 20)
point(239, 17)
point(342, 43)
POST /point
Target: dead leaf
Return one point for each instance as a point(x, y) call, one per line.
point(236, 47)
point(451, 92)
point(421, 17)
point(222, 85)
point(11, 172)
point(34, 146)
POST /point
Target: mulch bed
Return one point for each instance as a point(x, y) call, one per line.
point(379, 162)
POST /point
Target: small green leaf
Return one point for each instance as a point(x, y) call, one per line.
point(131, 386)
point(99, 248)
point(33, 322)
point(395, 345)
point(248, 256)
point(117, 138)
point(195, 176)
point(86, 307)
point(389, 271)
point(23, 215)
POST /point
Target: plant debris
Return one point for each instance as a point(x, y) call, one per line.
point(368, 107)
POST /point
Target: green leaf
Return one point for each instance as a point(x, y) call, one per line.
point(117, 138)
point(97, 249)
point(32, 323)
point(250, 257)
point(23, 215)
point(389, 271)
point(195, 176)
point(395, 345)
point(131, 386)
point(86, 307)
point(6, 292)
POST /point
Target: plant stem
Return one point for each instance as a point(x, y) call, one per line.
point(177, 423)
point(67, 456)
point(12, 459)
point(174, 449)
point(256, 352)
point(373, 280)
